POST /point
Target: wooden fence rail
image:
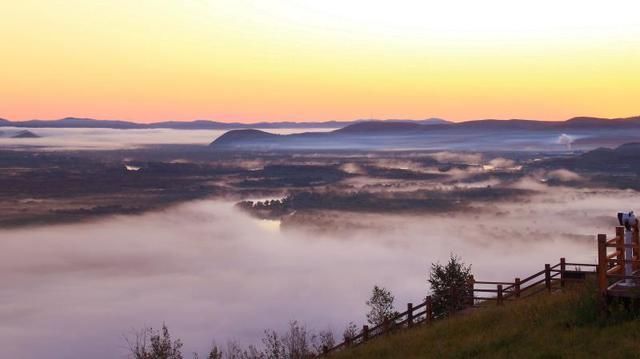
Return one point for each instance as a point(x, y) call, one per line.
point(479, 291)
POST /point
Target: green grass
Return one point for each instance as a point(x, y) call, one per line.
point(565, 324)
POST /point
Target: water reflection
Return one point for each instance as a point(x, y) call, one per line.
point(270, 225)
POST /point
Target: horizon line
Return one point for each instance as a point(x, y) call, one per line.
point(315, 121)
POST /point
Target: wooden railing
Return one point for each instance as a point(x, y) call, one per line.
point(611, 265)
point(479, 291)
point(550, 277)
point(414, 315)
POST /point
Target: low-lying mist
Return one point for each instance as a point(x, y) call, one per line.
point(110, 139)
point(212, 272)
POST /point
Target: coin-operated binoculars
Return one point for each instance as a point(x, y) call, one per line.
point(630, 223)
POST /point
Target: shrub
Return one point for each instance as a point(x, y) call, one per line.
point(350, 332)
point(324, 339)
point(152, 344)
point(381, 304)
point(450, 289)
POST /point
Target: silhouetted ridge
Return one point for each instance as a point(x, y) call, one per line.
point(514, 124)
point(631, 148)
point(596, 122)
point(25, 134)
point(383, 127)
point(623, 158)
point(366, 125)
point(239, 136)
point(73, 122)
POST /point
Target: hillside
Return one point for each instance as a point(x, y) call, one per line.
point(499, 135)
point(560, 325)
point(622, 159)
point(232, 137)
point(25, 134)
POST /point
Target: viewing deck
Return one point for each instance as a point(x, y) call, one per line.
point(612, 280)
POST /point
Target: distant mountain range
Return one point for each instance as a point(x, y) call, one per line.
point(73, 122)
point(363, 125)
point(587, 132)
point(583, 133)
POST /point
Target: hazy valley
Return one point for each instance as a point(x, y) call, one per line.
point(224, 244)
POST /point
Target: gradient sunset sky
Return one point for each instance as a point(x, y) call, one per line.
point(311, 60)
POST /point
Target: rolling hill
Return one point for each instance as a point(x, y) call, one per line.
point(584, 133)
point(562, 325)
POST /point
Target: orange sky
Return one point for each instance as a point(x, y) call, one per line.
point(244, 60)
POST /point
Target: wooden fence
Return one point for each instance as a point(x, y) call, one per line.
point(611, 265)
point(548, 279)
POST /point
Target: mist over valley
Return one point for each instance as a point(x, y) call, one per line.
point(108, 231)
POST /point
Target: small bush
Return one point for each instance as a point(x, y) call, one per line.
point(381, 304)
point(450, 286)
point(153, 344)
point(350, 332)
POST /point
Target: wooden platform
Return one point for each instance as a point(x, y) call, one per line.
point(611, 265)
point(619, 289)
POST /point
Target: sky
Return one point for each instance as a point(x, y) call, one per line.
point(309, 60)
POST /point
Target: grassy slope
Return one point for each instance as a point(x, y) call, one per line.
point(560, 325)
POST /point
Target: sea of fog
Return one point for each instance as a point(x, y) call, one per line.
point(112, 139)
point(109, 139)
point(211, 272)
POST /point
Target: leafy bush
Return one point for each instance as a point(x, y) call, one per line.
point(381, 304)
point(450, 286)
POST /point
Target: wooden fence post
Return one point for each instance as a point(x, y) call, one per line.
point(365, 333)
point(562, 270)
point(636, 250)
point(547, 277)
point(620, 247)
point(429, 309)
point(499, 294)
point(471, 288)
point(409, 315)
point(325, 350)
point(516, 287)
point(602, 264)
